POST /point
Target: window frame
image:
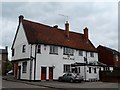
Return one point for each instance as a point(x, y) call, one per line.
point(23, 48)
point(13, 52)
point(95, 70)
point(53, 50)
point(66, 68)
point(90, 69)
point(91, 54)
point(80, 54)
point(68, 51)
point(24, 67)
point(39, 48)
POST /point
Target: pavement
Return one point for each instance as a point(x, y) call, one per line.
point(63, 85)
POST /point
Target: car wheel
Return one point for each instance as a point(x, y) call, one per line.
point(71, 81)
point(59, 79)
point(80, 81)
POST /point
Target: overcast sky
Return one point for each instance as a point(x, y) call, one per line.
point(101, 18)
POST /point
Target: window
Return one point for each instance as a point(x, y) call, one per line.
point(80, 53)
point(95, 70)
point(39, 49)
point(13, 52)
point(68, 51)
point(24, 48)
point(66, 68)
point(24, 67)
point(78, 69)
point(53, 50)
point(90, 69)
point(91, 54)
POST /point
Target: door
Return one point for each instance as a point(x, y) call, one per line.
point(19, 73)
point(16, 70)
point(43, 73)
point(50, 73)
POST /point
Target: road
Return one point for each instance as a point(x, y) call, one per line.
point(59, 85)
point(10, 84)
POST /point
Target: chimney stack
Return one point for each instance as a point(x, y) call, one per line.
point(67, 29)
point(21, 17)
point(86, 34)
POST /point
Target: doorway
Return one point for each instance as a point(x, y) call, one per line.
point(50, 73)
point(43, 73)
point(19, 73)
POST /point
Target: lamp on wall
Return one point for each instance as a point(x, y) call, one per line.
point(53, 66)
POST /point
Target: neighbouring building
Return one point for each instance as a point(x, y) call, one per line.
point(42, 52)
point(3, 60)
point(110, 57)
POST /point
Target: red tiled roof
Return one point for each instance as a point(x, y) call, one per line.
point(39, 33)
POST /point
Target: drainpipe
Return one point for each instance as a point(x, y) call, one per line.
point(31, 59)
point(85, 65)
point(35, 62)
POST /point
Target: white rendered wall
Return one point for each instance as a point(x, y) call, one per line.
point(19, 42)
point(49, 60)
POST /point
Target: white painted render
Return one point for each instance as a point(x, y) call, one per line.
point(44, 59)
point(19, 42)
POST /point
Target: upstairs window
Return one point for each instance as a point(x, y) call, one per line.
point(91, 54)
point(53, 49)
point(39, 49)
point(80, 53)
point(24, 67)
point(68, 51)
point(13, 52)
point(24, 48)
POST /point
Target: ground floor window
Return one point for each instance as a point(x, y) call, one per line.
point(95, 71)
point(24, 64)
point(66, 68)
point(90, 70)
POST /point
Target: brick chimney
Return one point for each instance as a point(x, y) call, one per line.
point(86, 34)
point(21, 17)
point(67, 29)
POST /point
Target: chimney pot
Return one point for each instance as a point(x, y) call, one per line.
point(67, 29)
point(21, 17)
point(86, 34)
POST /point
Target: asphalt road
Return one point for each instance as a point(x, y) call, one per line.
point(10, 84)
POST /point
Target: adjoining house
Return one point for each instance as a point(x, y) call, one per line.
point(42, 52)
point(110, 57)
point(3, 60)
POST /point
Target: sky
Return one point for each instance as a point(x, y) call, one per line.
point(101, 18)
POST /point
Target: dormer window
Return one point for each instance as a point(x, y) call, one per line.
point(24, 48)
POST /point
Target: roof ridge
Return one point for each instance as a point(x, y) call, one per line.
point(51, 26)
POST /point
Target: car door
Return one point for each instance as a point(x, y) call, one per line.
point(69, 76)
point(64, 78)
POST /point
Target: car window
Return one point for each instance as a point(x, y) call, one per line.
point(64, 75)
point(69, 74)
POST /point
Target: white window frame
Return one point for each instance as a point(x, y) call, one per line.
point(53, 49)
point(68, 51)
point(24, 65)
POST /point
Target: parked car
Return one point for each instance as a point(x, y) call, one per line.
point(71, 77)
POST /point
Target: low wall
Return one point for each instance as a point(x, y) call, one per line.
point(108, 76)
